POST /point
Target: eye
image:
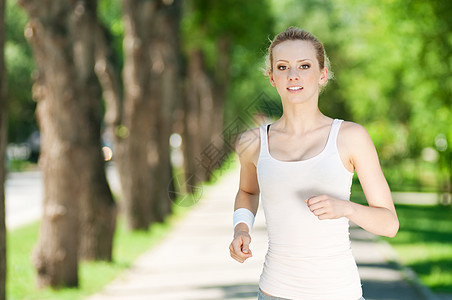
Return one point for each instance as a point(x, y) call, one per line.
point(281, 67)
point(305, 66)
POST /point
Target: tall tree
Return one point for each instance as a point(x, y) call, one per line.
point(78, 205)
point(150, 87)
point(3, 110)
point(98, 210)
point(214, 33)
point(135, 131)
point(166, 35)
point(198, 117)
point(405, 110)
point(430, 92)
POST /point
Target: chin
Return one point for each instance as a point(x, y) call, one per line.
point(297, 100)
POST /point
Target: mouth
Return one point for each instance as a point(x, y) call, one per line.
point(295, 88)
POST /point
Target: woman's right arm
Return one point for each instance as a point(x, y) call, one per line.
point(247, 197)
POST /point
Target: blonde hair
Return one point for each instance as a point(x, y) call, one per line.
point(292, 34)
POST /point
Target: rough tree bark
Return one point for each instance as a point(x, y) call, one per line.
point(204, 105)
point(98, 210)
point(150, 78)
point(3, 124)
point(110, 81)
point(198, 118)
point(69, 115)
point(133, 146)
point(167, 79)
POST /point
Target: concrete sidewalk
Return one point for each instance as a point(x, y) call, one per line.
point(193, 261)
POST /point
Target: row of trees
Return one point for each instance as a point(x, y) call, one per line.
point(392, 65)
point(141, 70)
point(163, 79)
point(402, 81)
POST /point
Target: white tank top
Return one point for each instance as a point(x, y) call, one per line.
point(307, 258)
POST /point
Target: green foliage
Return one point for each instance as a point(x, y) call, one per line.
point(392, 65)
point(243, 23)
point(401, 73)
point(19, 65)
point(246, 26)
point(110, 15)
point(391, 61)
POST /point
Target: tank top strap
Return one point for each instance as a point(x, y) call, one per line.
point(332, 138)
point(264, 140)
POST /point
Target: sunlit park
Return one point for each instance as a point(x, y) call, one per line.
point(118, 128)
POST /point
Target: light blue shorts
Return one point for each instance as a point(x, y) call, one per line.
point(262, 296)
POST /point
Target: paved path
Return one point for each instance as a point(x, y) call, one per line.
point(193, 262)
point(24, 193)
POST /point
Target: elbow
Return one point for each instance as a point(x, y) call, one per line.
point(393, 229)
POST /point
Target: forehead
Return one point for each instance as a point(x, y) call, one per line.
point(294, 50)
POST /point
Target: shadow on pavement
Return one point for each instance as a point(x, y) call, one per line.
point(372, 290)
point(237, 291)
point(387, 289)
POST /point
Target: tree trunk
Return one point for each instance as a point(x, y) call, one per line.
point(3, 123)
point(55, 91)
point(98, 210)
point(191, 128)
point(55, 256)
point(110, 81)
point(68, 113)
point(204, 105)
point(221, 84)
point(199, 119)
point(168, 80)
point(150, 79)
point(134, 143)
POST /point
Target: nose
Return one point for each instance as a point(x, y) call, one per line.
point(293, 74)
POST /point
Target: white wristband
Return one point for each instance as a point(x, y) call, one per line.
point(243, 215)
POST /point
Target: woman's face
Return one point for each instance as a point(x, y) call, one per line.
point(296, 73)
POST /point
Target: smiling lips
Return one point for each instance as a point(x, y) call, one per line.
point(295, 88)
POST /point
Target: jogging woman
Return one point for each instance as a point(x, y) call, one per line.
point(302, 167)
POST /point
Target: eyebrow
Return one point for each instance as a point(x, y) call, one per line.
point(300, 60)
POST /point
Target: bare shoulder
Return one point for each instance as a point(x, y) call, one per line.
point(355, 144)
point(248, 145)
point(353, 133)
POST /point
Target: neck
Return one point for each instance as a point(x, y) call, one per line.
point(299, 118)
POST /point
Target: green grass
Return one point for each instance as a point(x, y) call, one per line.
point(424, 243)
point(92, 275)
point(411, 175)
point(18, 165)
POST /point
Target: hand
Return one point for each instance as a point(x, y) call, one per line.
point(326, 207)
point(239, 248)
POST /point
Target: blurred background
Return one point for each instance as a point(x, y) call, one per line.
point(158, 91)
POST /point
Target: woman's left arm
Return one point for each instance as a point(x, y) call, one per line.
point(358, 152)
point(380, 216)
